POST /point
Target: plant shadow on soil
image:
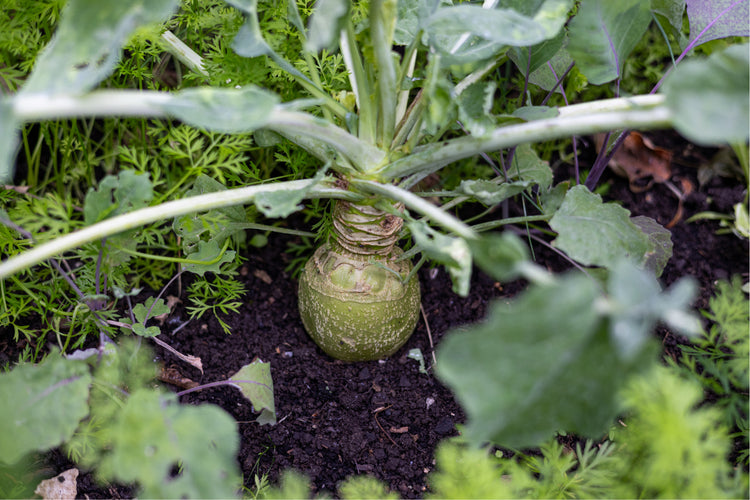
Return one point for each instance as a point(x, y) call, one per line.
point(385, 418)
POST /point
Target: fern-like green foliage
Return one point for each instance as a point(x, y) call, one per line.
point(671, 448)
point(720, 358)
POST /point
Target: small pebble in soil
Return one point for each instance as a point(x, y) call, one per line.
point(445, 426)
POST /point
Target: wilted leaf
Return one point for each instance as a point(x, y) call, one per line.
point(595, 233)
point(223, 110)
point(708, 98)
point(640, 161)
point(153, 434)
point(714, 19)
point(660, 243)
point(42, 405)
point(74, 64)
point(255, 383)
point(452, 252)
point(603, 34)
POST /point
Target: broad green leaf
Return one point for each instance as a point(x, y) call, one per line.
point(9, 127)
point(714, 19)
point(603, 34)
point(153, 436)
point(529, 59)
point(325, 24)
point(708, 98)
point(255, 383)
point(282, 203)
point(223, 110)
point(672, 10)
point(42, 405)
point(210, 256)
point(151, 308)
point(595, 233)
point(450, 251)
point(500, 255)
point(639, 304)
point(490, 193)
point(465, 33)
point(409, 14)
point(475, 106)
point(540, 364)
point(528, 167)
point(660, 243)
point(88, 42)
point(117, 195)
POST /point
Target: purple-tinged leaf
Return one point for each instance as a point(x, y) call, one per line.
point(713, 19)
point(603, 34)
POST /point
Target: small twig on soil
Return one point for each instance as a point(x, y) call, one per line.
point(429, 335)
point(378, 410)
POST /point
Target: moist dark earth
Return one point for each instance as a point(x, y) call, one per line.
point(385, 418)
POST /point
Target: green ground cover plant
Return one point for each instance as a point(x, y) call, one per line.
point(358, 104)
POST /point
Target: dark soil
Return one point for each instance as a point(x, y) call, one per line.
point(384, 418)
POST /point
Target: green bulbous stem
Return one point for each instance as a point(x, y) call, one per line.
point(354, 297)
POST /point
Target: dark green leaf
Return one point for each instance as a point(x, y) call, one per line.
point(255, 383)
point(223, 110)
point(42, 405)
point(672, 10)
point(595, 233)
point(88, 42)
point(529, 59)
point(603, 34)
point(708, 97)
